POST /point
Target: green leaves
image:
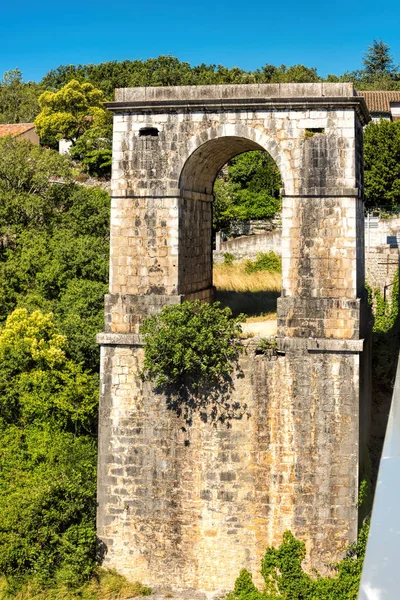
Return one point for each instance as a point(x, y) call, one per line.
point(18, 99)
point(69, 112)
point(47, 507)
point(53, 275)
point(38, 383)
point(192, 343)
point(191, 351)
point(382, 163)
point(377, 60)
point(48, 409)
point(54, 245)
point(168, 70)
point(265, 261)
point(285, 579)
point(248, 188)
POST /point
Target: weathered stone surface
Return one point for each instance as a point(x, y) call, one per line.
point(188, 509)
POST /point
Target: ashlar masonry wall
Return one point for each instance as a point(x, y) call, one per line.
point(188, 510)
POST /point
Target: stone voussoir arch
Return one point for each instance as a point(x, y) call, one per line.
point(232, 139)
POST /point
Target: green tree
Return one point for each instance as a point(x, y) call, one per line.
point(37, 380)
point(249, 188)
point(69, 112)
point(54, 245)
point(295, 74)
point(382, 163)
point(377, 60)
point(48, 410)
point(93, 149)
point(168, 70)
point(47, 505)
point(18, 100)
point(27, 190)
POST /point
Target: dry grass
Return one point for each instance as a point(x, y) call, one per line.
point(104, 585)
point(254, 294)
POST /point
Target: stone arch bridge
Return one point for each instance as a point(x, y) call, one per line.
point(192, 515)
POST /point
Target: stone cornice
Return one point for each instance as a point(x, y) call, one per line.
point(119, 339)
point(356, 103)
point(320, 345)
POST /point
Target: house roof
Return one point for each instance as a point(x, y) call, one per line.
point(15, 129)
point(379, 102)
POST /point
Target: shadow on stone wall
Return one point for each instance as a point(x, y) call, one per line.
point(385, 352)
point(212, 404)
point(249, 303)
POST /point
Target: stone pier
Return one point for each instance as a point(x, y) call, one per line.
point(187, 510)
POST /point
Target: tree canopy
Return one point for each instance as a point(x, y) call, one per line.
point(247, 188)
point(168, 70)
point(377, 59)
point(18, 100)
point(53, 276)
point(70, 111)
point(382, 164)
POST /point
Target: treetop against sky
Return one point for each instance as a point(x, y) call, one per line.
point(331, 37)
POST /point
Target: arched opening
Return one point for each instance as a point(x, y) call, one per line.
point(247, 278)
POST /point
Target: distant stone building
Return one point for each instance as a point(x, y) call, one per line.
point(23, 131)
point(382, 104)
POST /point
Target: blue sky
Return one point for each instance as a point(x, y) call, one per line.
point(39, 36)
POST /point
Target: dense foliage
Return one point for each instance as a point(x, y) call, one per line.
point(382, 164)
point(93, 149)
point(53, 244)
point(249, 188)
point(168, 70)
point(265, 261)
point(53, 257)
point(192, 343)
point(191, 351)
point(69, 112)
point(18, 99)
point(285, 579)
point(47, 457)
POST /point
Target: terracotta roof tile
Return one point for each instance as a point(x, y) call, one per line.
point(15, 129)
point(379, 102)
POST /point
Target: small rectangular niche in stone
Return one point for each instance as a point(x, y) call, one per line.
point(311, 131)
point(148, 132)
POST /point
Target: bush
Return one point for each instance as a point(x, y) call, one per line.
point(228, 258)
point(47, 506)
point(285, 579)
point(48, 410)
point(191, 351)
point(265, 261)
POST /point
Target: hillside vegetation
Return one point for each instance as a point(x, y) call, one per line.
point(54, 248)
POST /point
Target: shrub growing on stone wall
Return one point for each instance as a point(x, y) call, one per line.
point(285, 579)
point(265, 261)
point(191, 351)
